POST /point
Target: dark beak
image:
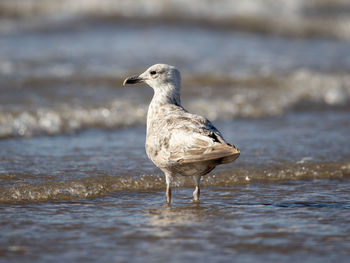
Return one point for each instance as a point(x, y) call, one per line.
point(132, 80)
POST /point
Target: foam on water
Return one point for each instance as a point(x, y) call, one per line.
point(296, 18)
point(97, 163)
point(99, 186)
point(52, 121)
point(214, 97)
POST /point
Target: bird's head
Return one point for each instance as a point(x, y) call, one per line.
point(158, 76)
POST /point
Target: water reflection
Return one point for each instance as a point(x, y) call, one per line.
point(176, 215)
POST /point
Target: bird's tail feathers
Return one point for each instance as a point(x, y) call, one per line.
point(222, 153)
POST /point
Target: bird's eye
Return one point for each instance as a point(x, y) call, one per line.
point(153, 72)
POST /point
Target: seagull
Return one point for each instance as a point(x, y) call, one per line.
point(179, 142)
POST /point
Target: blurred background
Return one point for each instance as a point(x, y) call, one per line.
point(62, 63)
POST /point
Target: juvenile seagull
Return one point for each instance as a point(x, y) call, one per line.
point(179, 142)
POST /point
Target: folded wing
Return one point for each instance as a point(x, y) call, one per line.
point(199, 145)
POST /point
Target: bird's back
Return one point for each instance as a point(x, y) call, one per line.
point(177, 139)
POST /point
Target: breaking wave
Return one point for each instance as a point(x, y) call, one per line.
point(53, 121)
point(99, 186)
point(295, 18)
point(214, 97)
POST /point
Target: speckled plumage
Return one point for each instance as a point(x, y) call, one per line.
point(179, 142)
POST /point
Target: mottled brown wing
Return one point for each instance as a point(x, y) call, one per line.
point(199, 152)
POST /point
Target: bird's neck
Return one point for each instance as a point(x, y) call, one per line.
point(167, 94)
point(162, 98)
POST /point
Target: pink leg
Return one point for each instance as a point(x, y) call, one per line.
point(168, 179)
point(197, 191)
point(196, 194)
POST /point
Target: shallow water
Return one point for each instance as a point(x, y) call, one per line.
point(94, 196)
point(97, 162)
point(75, 182)
point(304, 220)
point(64, 81)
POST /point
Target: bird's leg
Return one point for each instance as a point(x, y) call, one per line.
point(196, 194)
point(197, 191)
point(168, 194)
point(168, 179)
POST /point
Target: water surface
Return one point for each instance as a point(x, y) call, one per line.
point(75, 182)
